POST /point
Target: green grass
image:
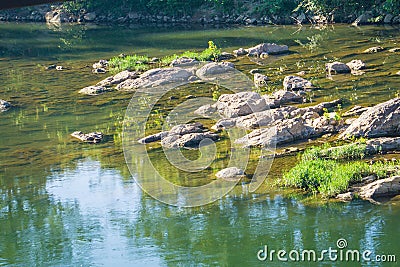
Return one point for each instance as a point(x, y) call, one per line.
point(318, 172)
point(131, 63)
point(141, 63)
point(350, 151)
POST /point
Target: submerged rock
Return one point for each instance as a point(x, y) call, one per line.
point(156, 77)
point(374, 49)
point(380, 120)
point(93, 90)
point(296, 83)
point(260, 80)
point(395, 50)
point(337, 68)
point(231, 173)
point(95, 137)
point(4, 105)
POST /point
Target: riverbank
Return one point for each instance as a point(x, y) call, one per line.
point(250, 14)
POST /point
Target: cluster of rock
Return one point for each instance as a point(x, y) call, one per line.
point(4, 105)
point(354, 66)
point(100, 67)
point(183, 135)
point(94, 138)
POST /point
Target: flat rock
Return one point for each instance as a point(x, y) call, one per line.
point(379, 121)
point(240, 104)
point(231, 173)
point(374, 49)
point(184, 62)
point(95, 137)
point(4, 105)
point(267, 48)
point(388, 187)
point(93, 90)
point(153, 138)
point(296, 83)
point(225, 56)
point(337, 68)
point(118, 78)
point(156, 77)
point(206, 110)
point(215, 68)
point(395, 50)
point(190, 140)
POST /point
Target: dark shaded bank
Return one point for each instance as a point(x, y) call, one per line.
point(253, 12)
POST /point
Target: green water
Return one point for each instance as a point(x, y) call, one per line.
point(64, 203)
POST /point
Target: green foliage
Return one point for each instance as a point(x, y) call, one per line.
point(329, 178)
point(132, 63)
point(212, 53)
point(320, 172)
point(351, 151)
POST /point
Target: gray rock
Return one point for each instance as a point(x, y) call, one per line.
point(240, 52)
point(95, 137)
point(215, 68)
point(153, 138)
point(388, 19)
point(60, 68)
point(380, 120)
point(184, 62)
point(285, 97)
point(206, 111)
point(268, 48)
point(231, 173)
point(355, 111)
point(382, 144)
point(356, 65)
point(118, 78)
point(99, 71)
point(394, 50)
point(337, 68)
point(4, 105)
point(240, 104)
point(254, 71)
point(388, 187)
point(374, 49)
point(296, 83)
point(225, 56)
point(345, 197)
point(191, 140)
point(156, 77)
point(364, 18)
point(260, 80)
point(93, 90)
point(182, 129)
point(101, 64)
point(90, 16)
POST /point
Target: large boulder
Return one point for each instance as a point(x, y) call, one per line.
point(4, 105)
point(364, 18)
point(296, 83)
point(388, 187)
point(337, 68)
point(156, 77)
point(215, 68)
point(240, 104)
point(380, 120)
point(118, 78)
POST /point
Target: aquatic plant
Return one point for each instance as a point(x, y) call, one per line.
point(130, 62)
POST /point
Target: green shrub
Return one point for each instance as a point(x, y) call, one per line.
point(350, 151)
point(132, 63)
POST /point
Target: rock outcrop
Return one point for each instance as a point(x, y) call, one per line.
point(378, 121)
point(388, 187)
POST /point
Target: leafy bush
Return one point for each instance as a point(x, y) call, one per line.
point(131, 63)
point(351, 151)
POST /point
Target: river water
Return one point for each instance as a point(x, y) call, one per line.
point(63, 203)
